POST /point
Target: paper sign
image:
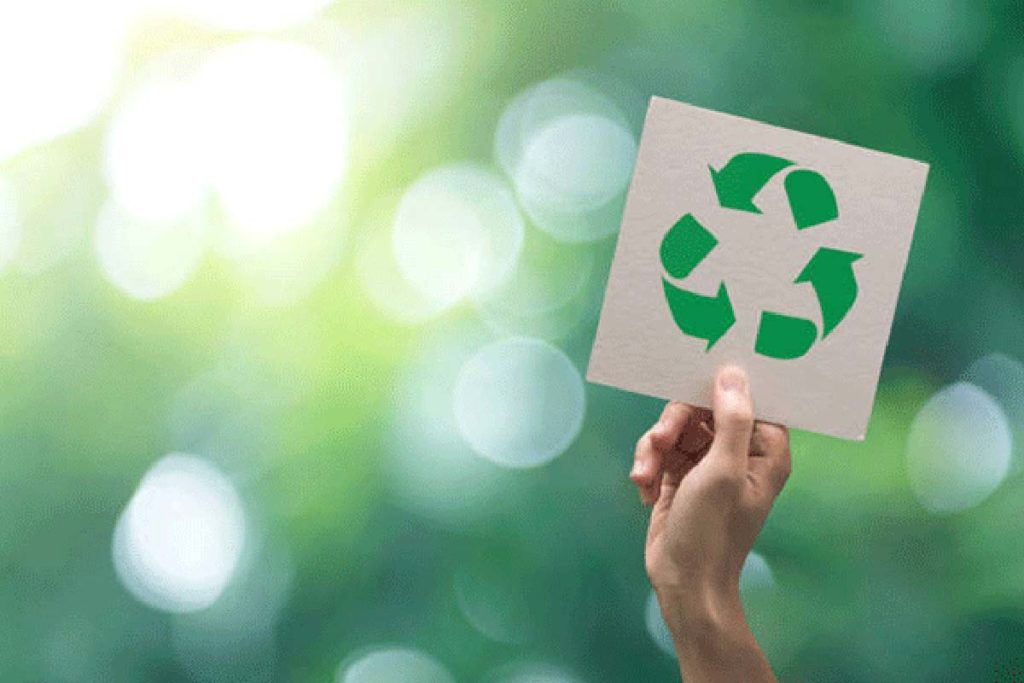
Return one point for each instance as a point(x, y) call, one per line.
point(776, 250)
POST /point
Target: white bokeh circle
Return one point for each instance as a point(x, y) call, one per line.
point(393, 664)
point(277, 133)
point(531, 672)
point(154, 152)
point(148, 260)
point(1002, 377)
point(178, 542)
point(958, 449)
point(569, 151)
point(657, 629)
point(457, 233)
point(519, 402)
point(756, 574)
point(59, 62)
point(576, 163)
point(430, 470)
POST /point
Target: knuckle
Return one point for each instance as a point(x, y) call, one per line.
point(785, 467)
point(660, 568)
point(774, 440)
point(642, 446)
point(658, 437)
point(736, 416)
point(724, 481)
point(674, 407)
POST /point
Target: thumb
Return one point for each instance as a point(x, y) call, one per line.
point(734, 416)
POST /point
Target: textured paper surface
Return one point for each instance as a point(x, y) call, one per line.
point(638, 346)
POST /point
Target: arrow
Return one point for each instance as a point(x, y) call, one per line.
point(704, 317)
point(685, 245)
point(783, 336)
point(742, 178)
point(830, 272)
point(810, 198)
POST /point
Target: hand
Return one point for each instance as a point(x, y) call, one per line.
point(712, 479)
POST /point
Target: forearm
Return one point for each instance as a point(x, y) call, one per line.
point(713, 640)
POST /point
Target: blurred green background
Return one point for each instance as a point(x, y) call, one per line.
point(296, 300)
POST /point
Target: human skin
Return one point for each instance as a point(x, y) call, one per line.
point(711, 478)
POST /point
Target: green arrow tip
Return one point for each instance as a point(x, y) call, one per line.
point(731, 193)
point(826, 259)
point(727, 319)
point(830, 272)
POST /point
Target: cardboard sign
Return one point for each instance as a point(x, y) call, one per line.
point(778, 251)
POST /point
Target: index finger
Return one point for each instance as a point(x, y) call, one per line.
point(649, 457)
point(770, 459)
point(670, 426)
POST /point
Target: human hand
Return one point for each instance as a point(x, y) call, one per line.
point(712, 477)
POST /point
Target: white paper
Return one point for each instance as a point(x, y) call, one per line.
point(831, 387)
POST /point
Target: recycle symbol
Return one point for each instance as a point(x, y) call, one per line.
point(829, 271)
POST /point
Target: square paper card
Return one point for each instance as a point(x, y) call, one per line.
point(776, 250)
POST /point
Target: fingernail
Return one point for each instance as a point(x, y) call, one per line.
point(731, 379)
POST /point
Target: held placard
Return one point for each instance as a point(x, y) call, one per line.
point(747, 243)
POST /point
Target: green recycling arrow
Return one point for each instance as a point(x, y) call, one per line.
point(685, 245)
point(704, 317)
point(810, 198)
point(830, 272)
point(742, 178)
point(784, 336)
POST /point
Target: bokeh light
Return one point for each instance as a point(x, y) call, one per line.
point(235, 638)
point(430, 470)
point(380, 278)
point(147, 259)
point(1002, 377)
point(154, 154)
point(393, 664)
point(178, 542)
point(277, 138)
point(396, 90)
point(59, 62)
point(550, 294)
point(570, 153)
point(657, 629)
point(457, 231)
point(958, 449)
point(261, 126)
point(756, 575)
point(519, 402)
point(576, 163)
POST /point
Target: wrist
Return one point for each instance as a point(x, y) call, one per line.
point(704, 620)
point(712, 637)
